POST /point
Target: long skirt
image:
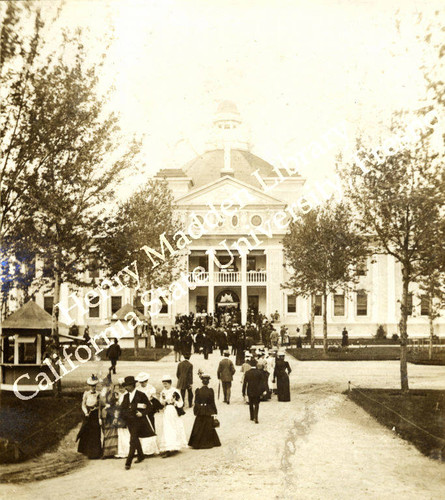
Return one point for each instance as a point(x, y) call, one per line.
point(283, 387)
point(173, 434)
point(110, 446)
point(90, 436)
point(123, 442)
point(203, 434)
point(149, 445)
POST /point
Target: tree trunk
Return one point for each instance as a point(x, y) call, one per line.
point(313, 322)
point(325, 323)
point(55, 331)
point(136, 342)
point(404, 333)
point(430, 319)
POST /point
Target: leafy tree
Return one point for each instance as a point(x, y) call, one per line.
point(432, 279)
point(397, 196)
point(66, 196)
point(323, 249)
point(138, 222)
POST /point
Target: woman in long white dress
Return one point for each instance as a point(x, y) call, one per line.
point(173, 437)
point(123, 434)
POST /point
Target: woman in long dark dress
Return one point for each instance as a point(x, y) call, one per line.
point(281, 375)
point(203, 434)
point(89, 436)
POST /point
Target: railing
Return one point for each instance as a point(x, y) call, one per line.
point(227, 277)
point(198, 277)
point(256, 277)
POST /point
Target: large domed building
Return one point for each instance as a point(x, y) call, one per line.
point(242, 252)
point(254, 280)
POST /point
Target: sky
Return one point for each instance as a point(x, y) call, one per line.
point(294, 69)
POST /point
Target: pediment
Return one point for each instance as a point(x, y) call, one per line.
point(228, 188)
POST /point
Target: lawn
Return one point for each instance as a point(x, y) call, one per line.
point(383, 353)
point(34, 426)
point(418, 417)
point(369, 353)
point(154, 354)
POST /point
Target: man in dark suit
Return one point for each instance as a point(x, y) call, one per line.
point(113, 354)
point(226, 370)
point(184, 374)
point(134, 412)
point(254, 386)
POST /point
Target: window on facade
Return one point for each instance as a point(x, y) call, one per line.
point(424, 305)
point(409, 305)
point(201, 304)
point(256, 220)
point(94, 307)
point(164, 308)
point(318, 305)
point(138, 305)
point(116, 303)
point(48, 304)
point(362, 268)
point(362, 304)
point(339, 304)
point(203, 262)
point(251, 263)
point(234, 220)
point(48, 270)
point(291, 303)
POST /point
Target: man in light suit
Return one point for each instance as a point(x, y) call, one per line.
point(226, 370)
point(134, 412)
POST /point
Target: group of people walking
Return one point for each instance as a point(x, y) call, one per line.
point(119, 420)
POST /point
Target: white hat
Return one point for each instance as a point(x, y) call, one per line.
point(248, 355)
point(120, 380)
point(280, 353)
point(142, 377)
point(166, 378)
point(92, 380)
point(205, 375)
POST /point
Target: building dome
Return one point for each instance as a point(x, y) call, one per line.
point(227, 107)
point(207, 167)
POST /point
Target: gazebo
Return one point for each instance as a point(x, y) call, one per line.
point(23, 347)
point(129, 340)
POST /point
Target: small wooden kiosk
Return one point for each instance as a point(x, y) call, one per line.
point(130, 340)
point(23, 346)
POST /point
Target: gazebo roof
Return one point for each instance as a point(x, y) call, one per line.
point(30, 317)
point(124, 310)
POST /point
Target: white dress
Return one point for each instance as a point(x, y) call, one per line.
point(123, 438)
point(173, 434)
point(150, 444)
point(271, 368)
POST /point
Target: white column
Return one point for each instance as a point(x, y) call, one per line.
point(211, 286)
point(243, 288)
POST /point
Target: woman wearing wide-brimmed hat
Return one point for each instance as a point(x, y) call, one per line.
point(89, 436)
point(203, 434)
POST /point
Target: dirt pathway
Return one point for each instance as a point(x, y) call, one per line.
point(318, 446)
